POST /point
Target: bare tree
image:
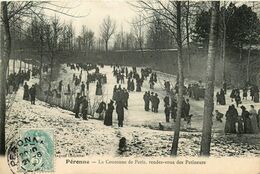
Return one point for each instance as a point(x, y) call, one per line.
point(11, 12)
point(138, 30)
point(170, 14)
point(107, 29)
point(174, 148)
point(210, 79)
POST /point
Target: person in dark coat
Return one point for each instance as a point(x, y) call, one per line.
point(138, 85)
point(219, 116)
point(222, 97)
point(101, 110)
point(99, 88)
point(125, 97)
point(132, 86)
point(218, 98)
point(152, 99)
point(240, 128)
point(32, 92)
point(186, 109)
point(167, 113)
point(84, 108)
point(108, 121)
point(82, 88)
point(237, 99)
point(120, 113)
point(69, 88)
point(173, 109)
point(129, 84)
point(232, 94)
point(244, 93)
point(231, 117)
point(146, 101)
point(225, 87)
point(256, 95)
point(77, 105)
point(26, 94)
point(156, 103)
point(253, 118)
point(246, 120)
point(60, 86)
point(166, 100)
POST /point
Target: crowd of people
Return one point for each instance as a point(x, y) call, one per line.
point(15, 80)
point(247, 122)
point(29, 93)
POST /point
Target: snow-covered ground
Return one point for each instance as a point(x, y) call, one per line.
point(91, 137)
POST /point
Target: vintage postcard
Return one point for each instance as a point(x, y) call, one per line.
point(130, 86)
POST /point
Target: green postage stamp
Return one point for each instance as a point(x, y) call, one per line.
point(35, 150)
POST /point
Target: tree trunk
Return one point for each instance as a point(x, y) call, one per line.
point(248, 63)
point(224, 47)
point(106, 45)
point(40, 71)
point(210, 78)
point(14, 65)
point(20, 66)
point(174, 148)
point(188, 36)
point(5, 56)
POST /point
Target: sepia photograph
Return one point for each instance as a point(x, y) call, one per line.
point(128, 82)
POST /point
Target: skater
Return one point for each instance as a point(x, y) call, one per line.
point(231, 117)
point(77, 105)
point(246, 120)
point(253, 118)
point(219, 116)
point(101, 110)
point(99, 88)
point(156, 103)
point(120, 113)
point(82, 91)
point(32, 92)
point(167, 113)
point(108, 121)
point(60, 86)
point(146, 101)
point(84, 108)
point(26, 92)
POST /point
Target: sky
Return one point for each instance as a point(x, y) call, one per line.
point(94, 11)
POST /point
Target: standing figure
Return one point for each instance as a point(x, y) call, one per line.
point(82, 91)
point(253, 118)
point(156, 104)
point(246, 120)
point(26, 92)
point(84, 108)
point(32, 92)
point(69, 88)
point(101, 110)
point(167, 113)
point(120, 113)
point(60, 86)
point(108, 121)
point(231, 117)
point(77, 105)
point(244, 93)
point(146, 101)
point(99, 88)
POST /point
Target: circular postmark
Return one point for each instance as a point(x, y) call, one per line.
point(12, 157)
point(33, 151)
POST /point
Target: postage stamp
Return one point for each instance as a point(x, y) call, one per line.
point(34, 151)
